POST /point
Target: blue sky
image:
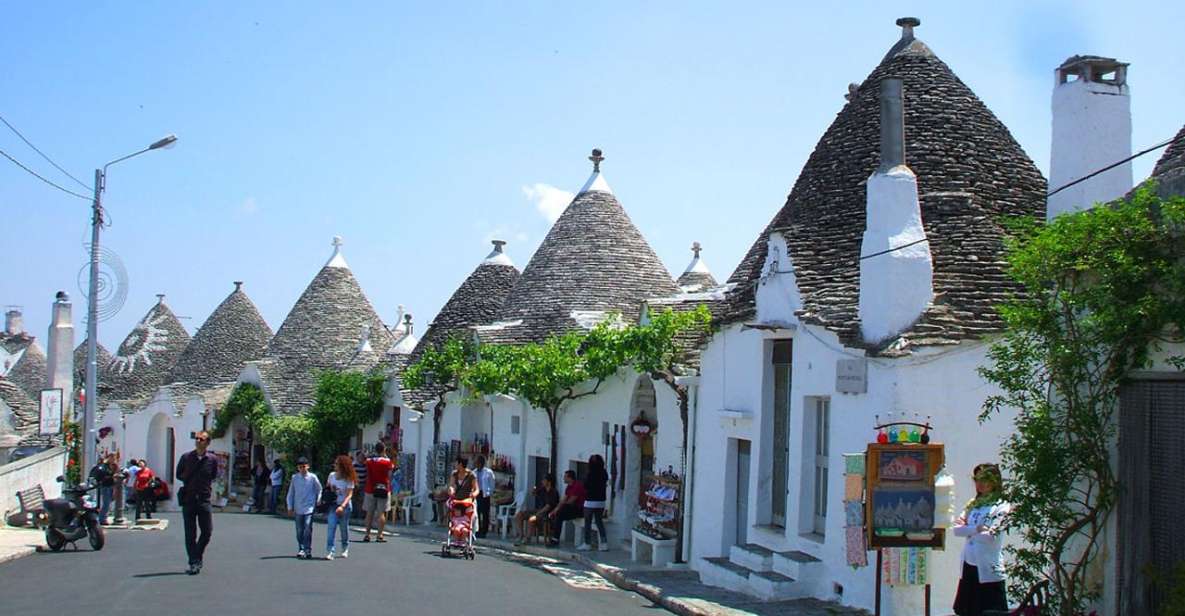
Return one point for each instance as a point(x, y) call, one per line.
point(419, 133)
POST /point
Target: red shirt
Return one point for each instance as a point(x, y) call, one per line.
point(378, 471)
point(143, 478)
point(575, 490)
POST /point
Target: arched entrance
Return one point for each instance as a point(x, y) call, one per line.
point(639, 458)
point(160, 450)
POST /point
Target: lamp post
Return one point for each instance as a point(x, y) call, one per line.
point(92, 306)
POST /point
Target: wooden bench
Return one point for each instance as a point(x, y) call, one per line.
point(32, 502)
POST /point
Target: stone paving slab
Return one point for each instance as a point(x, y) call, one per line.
point(19, 542)
point(676, 589)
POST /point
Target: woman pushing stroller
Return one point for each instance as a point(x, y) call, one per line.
point(462, 512)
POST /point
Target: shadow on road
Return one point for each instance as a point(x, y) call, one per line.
point(156, 575)
point(284, 557)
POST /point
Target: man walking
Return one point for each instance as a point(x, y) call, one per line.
point(197, 469)
point(485, 490)
point(376, 499)
point(304, 492)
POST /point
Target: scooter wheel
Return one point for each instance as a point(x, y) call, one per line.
point(97, 536)
point(55, 541)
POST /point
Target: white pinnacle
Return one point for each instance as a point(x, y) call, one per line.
point(337, 260)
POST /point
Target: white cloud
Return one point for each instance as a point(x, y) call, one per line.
point(549, 200)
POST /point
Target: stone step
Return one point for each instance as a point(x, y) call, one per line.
point(772, 586)
point(797, 565)
point(752, 557)
point(720, 572)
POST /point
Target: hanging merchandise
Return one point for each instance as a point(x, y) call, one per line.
point(906, 566)
point(855, 546)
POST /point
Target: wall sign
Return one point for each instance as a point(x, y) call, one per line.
point(851, 376)
point(51, 411)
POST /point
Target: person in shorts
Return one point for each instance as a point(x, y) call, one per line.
point(376, 498)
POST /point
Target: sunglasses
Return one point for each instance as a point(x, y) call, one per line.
point(202, 440)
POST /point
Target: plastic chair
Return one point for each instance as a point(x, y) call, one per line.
point(505, 516)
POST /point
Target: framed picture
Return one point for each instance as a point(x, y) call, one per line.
point(899, 489)
point(51, 411)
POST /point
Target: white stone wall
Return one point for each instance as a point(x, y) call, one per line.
point(735, 403)
point(41, 469)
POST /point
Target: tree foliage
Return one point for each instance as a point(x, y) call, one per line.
point(1102, 289)
point(439, 369)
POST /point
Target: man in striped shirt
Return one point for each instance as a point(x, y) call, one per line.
point(360, 469)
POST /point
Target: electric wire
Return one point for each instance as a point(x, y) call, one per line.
point(42, 178)
point(1111, 166)
point(43, 154)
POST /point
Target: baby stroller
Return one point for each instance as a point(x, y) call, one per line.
point(462, 517)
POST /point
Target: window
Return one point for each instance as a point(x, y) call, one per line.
point(822, 447)
point(515, 424)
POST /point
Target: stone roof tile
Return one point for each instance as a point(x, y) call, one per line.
point(147, 355)
point(234, 334)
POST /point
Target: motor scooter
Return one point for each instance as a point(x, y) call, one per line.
point(71, 518)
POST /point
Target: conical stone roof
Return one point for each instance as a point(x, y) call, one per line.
point(147, 356)
point(103, 359)
point(321, 332)
point(1170, 169)
point(593, 261)
point(234, 334)
point(697, 276)
point(970, 173)
point(30, 371)
point(476, 302)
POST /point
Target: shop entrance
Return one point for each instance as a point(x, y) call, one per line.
point(742, 492)
point(639, 452)
point(782, 353)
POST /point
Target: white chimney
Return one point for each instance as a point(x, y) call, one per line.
point(896, 286)
point(14, 323)
point(60, 371)
point(1092, 129)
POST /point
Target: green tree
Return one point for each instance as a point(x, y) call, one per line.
point(439, 370)
point(549, 374)
point(1102, 288)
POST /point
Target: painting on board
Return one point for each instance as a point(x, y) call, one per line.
point(903, 466)
point(903, 509)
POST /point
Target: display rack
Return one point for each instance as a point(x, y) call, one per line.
point(659, 506)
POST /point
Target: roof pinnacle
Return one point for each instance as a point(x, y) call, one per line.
point(907, 25)
point(337, 260)
point(696, 248)
point(596, 159)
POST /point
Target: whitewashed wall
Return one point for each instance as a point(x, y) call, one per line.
point(735, 403)
point(40, 469)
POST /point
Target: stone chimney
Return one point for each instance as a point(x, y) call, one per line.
point(1092, 129)
point(896, 270)
point(14, 322)
point(60, 369)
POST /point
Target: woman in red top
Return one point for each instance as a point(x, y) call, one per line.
point(145, 498)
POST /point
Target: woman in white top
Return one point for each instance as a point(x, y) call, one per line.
point(341, 481)
point(982, 585)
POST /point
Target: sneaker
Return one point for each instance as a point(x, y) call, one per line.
point(329, 556)
point(346, 553)
point(300, 554)
point(604, 547)
point(584, 547)
point(192, 570)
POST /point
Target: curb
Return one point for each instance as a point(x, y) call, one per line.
point(18, 553)
point(614, 575)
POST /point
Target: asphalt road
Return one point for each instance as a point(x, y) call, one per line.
point(251, 568)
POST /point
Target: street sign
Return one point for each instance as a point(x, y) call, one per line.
point(51, 411)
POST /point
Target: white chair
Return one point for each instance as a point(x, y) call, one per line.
point(410, 502)
point(506, 513)
point(577, 526)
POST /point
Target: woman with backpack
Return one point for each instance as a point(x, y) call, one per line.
point(145, 491)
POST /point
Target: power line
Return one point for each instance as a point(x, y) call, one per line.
point(40, 177)
point(1111, 166)
point(43, 155)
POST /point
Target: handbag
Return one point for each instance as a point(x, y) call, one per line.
point(380, 490)
point(328, 501)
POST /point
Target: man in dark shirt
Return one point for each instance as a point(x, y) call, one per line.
point(103, 477)
point(197, 469)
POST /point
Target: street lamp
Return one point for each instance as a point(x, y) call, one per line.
point(92, 308)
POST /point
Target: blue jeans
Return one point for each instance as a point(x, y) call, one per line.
point(275, 498)
point(304, 532)
point(336, 522)
point(106, 493)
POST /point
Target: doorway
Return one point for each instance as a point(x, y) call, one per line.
point(782, 353)
point(742, 491)
point(170, 455)
point(1151, 463)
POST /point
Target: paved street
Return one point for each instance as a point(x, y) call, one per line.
point(251, 569)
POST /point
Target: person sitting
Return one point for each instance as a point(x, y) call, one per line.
point(571, 508)
point(529, 521)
